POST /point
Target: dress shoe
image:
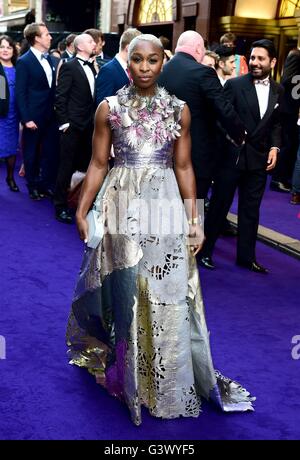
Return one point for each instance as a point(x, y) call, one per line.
point(295, 199)
point(34, 194)
point(253, 266)
point(282, 187)
point(206, 262)
point(63, 216)
point(12, 185)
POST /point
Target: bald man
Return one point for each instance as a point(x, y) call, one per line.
point(199, 86)
point(75, 108)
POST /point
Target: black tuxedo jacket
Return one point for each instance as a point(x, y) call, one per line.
point(35, 99)
point(200, 88)
point(262, 134)
point(74, 102)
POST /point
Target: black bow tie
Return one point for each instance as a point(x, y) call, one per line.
point(262, 82)
point(44, 56)
point(90, 64)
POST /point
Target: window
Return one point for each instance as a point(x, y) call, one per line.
point(287, 8)
point(17, 5)
point(155, 11)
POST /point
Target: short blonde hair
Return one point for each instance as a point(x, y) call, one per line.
point(213, 55)
point(33, 30)
point(127, 37)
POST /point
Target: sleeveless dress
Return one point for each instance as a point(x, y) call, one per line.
point(137, 321)
point(9, 125)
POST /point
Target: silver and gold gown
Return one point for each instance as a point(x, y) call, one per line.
point(137, 321)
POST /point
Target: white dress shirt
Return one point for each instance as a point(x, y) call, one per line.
point(262, 92)
point(89, 73)
point(222, 80)
point(45, 64)
point(122, 63)
point(70, 55)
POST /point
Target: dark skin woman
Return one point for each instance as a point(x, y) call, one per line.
point(145, 63)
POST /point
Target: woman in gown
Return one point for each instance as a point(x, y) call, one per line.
point(9, 121)
point(137, 321)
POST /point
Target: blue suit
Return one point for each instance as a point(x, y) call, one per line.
point(35, 102)
point(110, 79)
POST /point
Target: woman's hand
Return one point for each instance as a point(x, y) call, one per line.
point(196, 238)
point(82, 227)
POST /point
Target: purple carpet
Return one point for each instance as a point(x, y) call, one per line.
point(277, 213)
point(252, 319)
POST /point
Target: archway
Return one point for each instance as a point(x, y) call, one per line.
point(154, 17)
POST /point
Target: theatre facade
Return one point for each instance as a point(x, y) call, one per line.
point(278, 20)
point(248, 19)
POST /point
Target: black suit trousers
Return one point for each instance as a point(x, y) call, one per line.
point(251, 186)
point(75, 155)
point(41, 154)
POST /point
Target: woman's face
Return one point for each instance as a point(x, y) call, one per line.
point(145, 65)
point(6, 51)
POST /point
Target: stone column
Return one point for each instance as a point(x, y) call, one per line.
point(105, 16)
point(5, 7)
point(38, 5)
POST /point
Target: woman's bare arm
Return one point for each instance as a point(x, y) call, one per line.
point(97, 169)
point(186, 180)
point(183, 164)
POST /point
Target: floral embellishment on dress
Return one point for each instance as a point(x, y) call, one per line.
point(149, 120)
point(115, 119)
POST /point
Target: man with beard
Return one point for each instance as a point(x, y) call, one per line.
point(256, 98)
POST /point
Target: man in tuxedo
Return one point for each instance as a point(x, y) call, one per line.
point(257, 99)
point(114, 75)
point(199, 86)
point(75, 112)
point(35, 92)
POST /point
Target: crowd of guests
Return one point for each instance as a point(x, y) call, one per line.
point(285, 177)
point(47, 106)
point(48, 99)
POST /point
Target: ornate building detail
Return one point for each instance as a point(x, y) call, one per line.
point(155, 11)
point(288, 7)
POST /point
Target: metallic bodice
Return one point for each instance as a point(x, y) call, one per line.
point(144, 128)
